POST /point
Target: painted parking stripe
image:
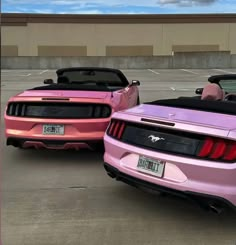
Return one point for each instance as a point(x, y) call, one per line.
point(157, 73)
point(185, 89)
point(220, 70)
point(29, 74)
point(43, 72)
point(16, 75)
point(14, 71)
point(189, 71)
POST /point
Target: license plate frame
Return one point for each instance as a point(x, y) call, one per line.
point(151, 166)
point(53, 129)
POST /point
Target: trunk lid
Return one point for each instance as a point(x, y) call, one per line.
point(186, 116)
point(65, 94)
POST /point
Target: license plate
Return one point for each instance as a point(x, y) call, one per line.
point(53, 129)
point(150, 166)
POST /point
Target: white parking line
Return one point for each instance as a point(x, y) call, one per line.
point(43, 72)
point(29, 74)
point(15, 75)
point(181, 89)
point(185, 89)
point(154, 71)
point(14, 71)
point(189, 71)
point(220, 70)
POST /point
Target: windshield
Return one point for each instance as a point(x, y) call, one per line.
point(228, 85)
point(223, 107)
point(93, 77)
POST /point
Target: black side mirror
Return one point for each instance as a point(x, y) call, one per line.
point(135, 83)
point(198, 91)
point(48, 81)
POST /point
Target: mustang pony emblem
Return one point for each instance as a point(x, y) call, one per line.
point(155, 138)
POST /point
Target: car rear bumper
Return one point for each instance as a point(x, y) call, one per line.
point(54, 144)
point(203, 200)
point(181, 175)
point(29, 132)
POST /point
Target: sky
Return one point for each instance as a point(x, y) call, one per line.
point(118, 6)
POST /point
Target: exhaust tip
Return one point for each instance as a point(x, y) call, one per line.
point(14, 143)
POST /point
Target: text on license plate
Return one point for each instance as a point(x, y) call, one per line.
point(54, 129)
point(150, 166)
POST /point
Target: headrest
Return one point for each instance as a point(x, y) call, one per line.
point(212, 92)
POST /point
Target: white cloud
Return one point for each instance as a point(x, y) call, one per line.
point(186, 2)
point(92, 11)
point(120, 6)
point(102, 3)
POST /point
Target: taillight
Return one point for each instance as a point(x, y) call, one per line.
point(206, 148)
point(116, 129)
point(16, 109)
point(230, 154)
point(218, 149)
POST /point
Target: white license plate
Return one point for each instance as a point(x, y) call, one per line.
point(53, 129)
point(150, 166)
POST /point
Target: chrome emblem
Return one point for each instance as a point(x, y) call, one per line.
point(155, 138)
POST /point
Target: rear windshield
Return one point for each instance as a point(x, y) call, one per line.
point(228, 85)
point(110, 78)
point(223, 107)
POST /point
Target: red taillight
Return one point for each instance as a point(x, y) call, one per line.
point(121, 130)
point(111, 128)
point(116, 129)
point(219, 149)
point(230, 154)
point(215, 148)
point(206, 148)
point(114, 134)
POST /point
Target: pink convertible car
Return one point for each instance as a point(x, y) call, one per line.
point(73, 113)
point(183, 146)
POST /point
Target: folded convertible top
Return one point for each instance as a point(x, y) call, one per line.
point(224, 107)
point(76, 87)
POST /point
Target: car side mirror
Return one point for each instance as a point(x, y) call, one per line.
point(198, 91)
point(135, 83)
point(48, 81)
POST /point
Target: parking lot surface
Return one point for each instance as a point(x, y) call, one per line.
point(65, 197)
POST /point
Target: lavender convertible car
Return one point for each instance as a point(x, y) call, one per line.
point(183, 146)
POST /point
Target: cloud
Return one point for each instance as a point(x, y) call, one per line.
point(110, 3)
point(186, 2)
point(119, 6)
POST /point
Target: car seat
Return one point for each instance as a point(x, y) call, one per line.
point(230, 97)
point(212, 91)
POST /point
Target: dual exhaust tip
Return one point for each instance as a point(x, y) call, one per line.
point(213, 207)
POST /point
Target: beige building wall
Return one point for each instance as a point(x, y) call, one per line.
point(128, 35)
point(71, 36)
point(17, 36)
point(9, 50)
point(232, 38)
point(197, 35)
point(109, 39)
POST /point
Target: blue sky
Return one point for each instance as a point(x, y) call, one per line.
point(119, 6)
